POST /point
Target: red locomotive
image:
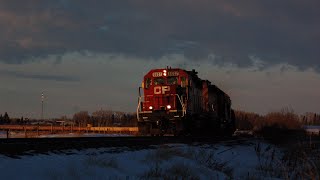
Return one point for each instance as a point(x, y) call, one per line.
point(176, 101)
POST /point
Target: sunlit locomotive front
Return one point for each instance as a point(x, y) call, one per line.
point(176, 101)
point(163, 102)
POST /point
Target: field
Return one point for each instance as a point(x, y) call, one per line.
point(250, 159)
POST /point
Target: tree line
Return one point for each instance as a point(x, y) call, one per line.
point(104, 118)
point(4, 119)
point(244, 120)
point(98, 118)
point(285, 118)
point(310, 118)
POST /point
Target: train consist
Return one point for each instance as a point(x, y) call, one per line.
point(176, 101)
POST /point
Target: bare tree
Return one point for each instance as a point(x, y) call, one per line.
point(81, 118)
point(102, 117)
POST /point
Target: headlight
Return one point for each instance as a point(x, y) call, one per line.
point(164, 72)
point(150, 107)
point(168, 107)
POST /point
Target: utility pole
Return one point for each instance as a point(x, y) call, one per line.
point(42, 99)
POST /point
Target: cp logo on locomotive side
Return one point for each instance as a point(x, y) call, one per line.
point(161, 89)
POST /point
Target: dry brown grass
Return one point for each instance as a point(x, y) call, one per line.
point(296, 162)
point(281, 127)
point(175, 171)
point(165, 153)
point(286, 118)
point(95, 160)
point(210, 160)
point(204, 158)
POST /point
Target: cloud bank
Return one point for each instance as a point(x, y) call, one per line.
point(93, 81)
point(286, 32)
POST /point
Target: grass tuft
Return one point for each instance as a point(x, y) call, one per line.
point(164, 154)
point(176, 171)
point(102, 162)
point(208, 159)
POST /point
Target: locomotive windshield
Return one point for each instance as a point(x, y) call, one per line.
point(162, 81)
point(148, 82)
point(183, 82)
point(172, 80)
point(159, 81)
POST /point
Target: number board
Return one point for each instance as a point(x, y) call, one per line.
point(173, 73)
point(170, 73)
point(157, 74)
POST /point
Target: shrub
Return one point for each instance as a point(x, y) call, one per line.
point(246, 120)
point(285, 119)
point(294, 162)
point(280, 126)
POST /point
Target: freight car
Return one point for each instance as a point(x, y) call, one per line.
point(176, 101)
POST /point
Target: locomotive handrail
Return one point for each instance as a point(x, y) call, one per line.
point(139, 103)
point(182, 104)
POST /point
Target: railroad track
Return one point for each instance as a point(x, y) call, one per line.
point(17, 147)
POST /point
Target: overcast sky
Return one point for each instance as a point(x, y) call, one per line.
point(88, 55)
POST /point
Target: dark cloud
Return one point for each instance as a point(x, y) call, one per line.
point(275, 31)
point(24, 75)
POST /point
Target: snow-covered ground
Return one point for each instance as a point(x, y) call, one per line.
point(254, 159)
point(220, 161)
